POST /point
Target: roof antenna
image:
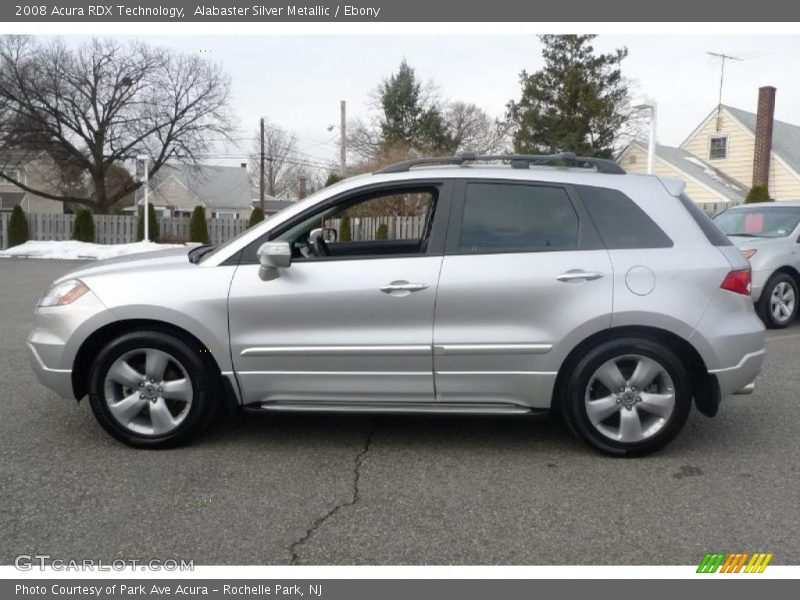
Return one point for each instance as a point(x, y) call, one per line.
point(723, 58)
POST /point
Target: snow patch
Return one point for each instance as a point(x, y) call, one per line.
point(72, 250)
point(711, 172)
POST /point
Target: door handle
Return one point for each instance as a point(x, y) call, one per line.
point(402, 288)
point(578, 275)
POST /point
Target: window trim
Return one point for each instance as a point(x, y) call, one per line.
point(438, 227)
point(588, 238)
point(718, 136)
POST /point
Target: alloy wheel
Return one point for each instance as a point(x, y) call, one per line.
point(148, 391)
point(781, 302)
point(630, 398)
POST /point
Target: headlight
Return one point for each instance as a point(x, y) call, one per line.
point(749, 252)
point(64, 293)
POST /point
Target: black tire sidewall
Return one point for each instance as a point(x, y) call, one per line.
point(202, 403)
point(574, 406)
point(763, 302)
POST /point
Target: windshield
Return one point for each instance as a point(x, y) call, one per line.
point(767, 222)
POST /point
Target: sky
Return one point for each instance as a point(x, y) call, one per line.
point(297, 81)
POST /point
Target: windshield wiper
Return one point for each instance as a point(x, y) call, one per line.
point(195, 254)
point(743, 234)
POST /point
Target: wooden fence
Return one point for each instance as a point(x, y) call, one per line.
point(121, 229)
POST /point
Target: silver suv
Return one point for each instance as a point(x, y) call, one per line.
point(468, 285)
point(769, 235)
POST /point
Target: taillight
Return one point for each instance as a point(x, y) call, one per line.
point(737, 281)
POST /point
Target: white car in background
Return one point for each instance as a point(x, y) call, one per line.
point(768, 234)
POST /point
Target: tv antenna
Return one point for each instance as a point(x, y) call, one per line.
point(722, 57)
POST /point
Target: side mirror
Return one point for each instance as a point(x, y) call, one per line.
point(328, 234)
point(273, 256)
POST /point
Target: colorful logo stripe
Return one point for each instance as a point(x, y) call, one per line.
point(734, 562)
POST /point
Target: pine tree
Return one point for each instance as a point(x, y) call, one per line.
point(333, 178)
point(345, 235)
point(382, 233)
point(83, 228)
point(757, 193)
point(17, 227)
point(198, 226)
point(153, 232)
point(256, 216)
point(575, 103)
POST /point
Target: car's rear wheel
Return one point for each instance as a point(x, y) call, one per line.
point(778, 304)
point(627, 397)
point(150, 389)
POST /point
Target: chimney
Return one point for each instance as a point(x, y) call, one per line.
point(764, 119)
point(301, 187)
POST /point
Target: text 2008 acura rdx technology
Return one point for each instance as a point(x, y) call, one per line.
point(496, 285)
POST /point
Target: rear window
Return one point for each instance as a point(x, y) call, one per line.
point(711, 231)
point(619, 220)
point(500, 217)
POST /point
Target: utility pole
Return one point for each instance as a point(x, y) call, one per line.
point(146, 215)
point(723, 58)
point(343, 140)
point(261, 184)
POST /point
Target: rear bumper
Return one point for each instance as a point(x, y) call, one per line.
point(740, 378)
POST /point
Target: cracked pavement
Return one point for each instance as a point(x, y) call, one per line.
point(390, 490)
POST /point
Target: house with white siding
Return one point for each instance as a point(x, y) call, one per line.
point(729, 152)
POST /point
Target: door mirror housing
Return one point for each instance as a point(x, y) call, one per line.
point(328, 234)
point(273, 256)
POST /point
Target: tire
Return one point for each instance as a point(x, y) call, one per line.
point(778, 304)
point(585, 394)
point(148, 411)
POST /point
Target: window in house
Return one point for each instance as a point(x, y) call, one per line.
point(718, 147)
point(226, 214)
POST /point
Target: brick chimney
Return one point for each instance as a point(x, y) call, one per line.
point(301, 187)
point(765, 115)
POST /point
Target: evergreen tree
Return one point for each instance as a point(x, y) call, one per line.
point(333, 178)
point(83, 228)
point(382, 233)
point(757, 193)
point(576, 103)
point(345, 235)
point(153, 231)
point(17, 227)
point(198, 226)
point(256, 216)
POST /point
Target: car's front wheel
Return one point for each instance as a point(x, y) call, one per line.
point(627, 396)
point(777, 306)
point(150, 389)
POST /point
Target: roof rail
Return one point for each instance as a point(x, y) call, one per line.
point(517, 161)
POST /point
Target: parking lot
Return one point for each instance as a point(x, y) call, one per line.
point(389, 490)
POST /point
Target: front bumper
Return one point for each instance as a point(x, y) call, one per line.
point(57, 335)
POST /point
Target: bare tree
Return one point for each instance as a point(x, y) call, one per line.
point(280, 161)
point(473, 130)
point(84, 111)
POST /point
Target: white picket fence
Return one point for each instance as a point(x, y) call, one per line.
point(121, 229)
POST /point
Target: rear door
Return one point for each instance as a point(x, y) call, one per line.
point(523, 276)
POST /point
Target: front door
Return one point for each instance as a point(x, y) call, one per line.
point(351, 320)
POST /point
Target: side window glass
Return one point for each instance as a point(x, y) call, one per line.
point(505, 217)
point(619, 220)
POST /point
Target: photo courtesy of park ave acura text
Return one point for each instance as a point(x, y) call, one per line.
point(503, 299)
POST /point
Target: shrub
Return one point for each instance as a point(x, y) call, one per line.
point(153, 224)
point(333, 178)
point(256, 216)
point(198, 226)
point(757, 193)
point(17, 227)
point(83, 229)
point(382, 233)
point(345, 235)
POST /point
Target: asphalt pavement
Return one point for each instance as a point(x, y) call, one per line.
point(389, 490)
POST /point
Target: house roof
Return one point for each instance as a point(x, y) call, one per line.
point(785, 136)
point(213, 186)
point(271, 205)
point(699, 170)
